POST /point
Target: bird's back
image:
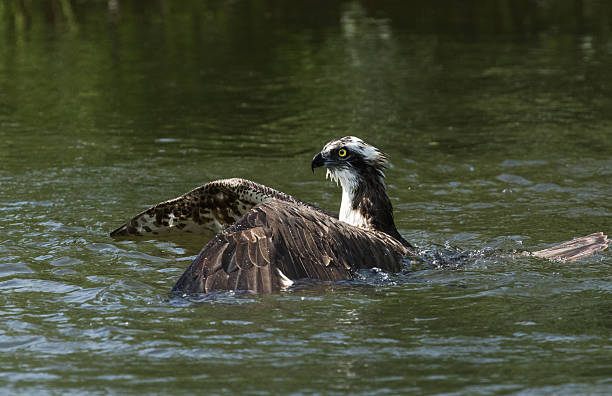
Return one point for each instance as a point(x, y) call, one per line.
point(277, 241)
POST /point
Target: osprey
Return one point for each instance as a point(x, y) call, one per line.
point(267, 239)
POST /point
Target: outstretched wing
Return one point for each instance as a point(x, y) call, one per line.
point(208, 208)
point(575, 249)
point(277, 242)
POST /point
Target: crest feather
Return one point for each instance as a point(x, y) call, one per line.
point(369, 153)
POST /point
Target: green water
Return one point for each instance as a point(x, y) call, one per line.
point(497, 117)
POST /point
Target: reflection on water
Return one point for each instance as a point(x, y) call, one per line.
point(496, 118)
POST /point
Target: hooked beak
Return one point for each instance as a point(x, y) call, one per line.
point(317, 162)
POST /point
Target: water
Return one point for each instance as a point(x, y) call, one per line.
point(498, 123)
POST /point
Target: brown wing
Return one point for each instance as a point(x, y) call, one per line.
point(575, 249)
point(278, 241)
point(208, 208)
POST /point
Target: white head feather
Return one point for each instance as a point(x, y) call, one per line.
point(348, 177)
point(369, 153)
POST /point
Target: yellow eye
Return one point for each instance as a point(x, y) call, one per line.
point(342, 153)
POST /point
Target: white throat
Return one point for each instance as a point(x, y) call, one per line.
point(349, 182)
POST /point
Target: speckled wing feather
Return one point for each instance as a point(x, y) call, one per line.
point(277, 242)
point(575, 249)
point(208, 208)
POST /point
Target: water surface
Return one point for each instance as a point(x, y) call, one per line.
point(498, 123)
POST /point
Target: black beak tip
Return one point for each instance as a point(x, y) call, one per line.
point(317, 162)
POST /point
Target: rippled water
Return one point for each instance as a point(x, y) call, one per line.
point(498, 123)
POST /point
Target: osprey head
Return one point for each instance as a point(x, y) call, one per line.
point(350, 159)
point(360, 169)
